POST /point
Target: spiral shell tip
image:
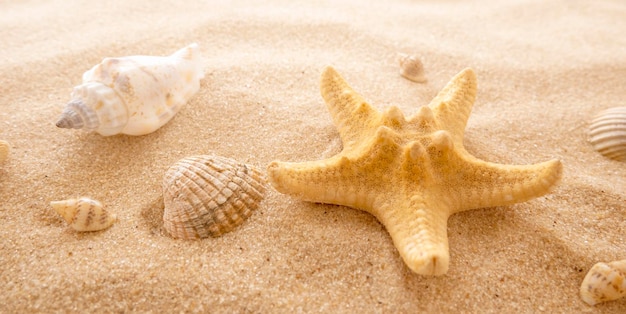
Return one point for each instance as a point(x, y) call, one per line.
point(70, 119)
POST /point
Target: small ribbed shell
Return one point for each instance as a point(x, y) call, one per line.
point(84, 214)
point(607, 133)
point(209, 196)
point(4, 150)
point(604, 282)
point(412, 68)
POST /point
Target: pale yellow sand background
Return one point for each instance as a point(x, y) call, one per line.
point(544, 69)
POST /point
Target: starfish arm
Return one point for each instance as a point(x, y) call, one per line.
point(418, 228)
point(329, 181)
point(484, 184)
point(350, 112)
point(453, 105)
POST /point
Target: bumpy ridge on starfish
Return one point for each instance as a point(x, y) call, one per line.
point(412, 174)
point(351, 113)
point(453, 105)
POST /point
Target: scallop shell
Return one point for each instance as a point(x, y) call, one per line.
point(412, 68)
point(607, 133)
point(4, 150)
point(209, 195)
point(133, 95)
point(84, 214)
point(604, 282)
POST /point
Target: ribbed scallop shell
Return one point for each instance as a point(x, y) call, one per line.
point(4, 150)
point(412, 68)
point(607, 133)
point(604, 282)
point(209, 195)
point(84, 214)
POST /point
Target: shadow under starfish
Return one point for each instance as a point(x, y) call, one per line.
point(412, 174)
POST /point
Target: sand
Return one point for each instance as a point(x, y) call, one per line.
point(544, 69)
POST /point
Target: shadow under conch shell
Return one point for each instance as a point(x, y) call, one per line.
point(133, 95)
point(84, 214)
point(209, 196)
point(607, 133)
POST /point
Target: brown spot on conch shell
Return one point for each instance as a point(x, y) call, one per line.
point(604, 282)
point(84, 214)
point(209, 196)
point(607, 133)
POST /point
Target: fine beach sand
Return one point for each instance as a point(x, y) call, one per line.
point(544, 69)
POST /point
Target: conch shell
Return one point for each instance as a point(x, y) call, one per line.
point(604, 282)
point(133, 95)
point(607, 133)
point(412, 68)
point(84, 214)
point(4, 150)
point(209, 195)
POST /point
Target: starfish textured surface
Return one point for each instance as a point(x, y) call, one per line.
point(412, 174)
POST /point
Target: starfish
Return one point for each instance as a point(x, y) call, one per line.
point(411, 174)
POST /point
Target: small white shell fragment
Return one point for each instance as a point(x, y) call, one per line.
point(607, 133)
point(84, 214)
point(4, 150)
point(209, 196)
point(412, 68)
point(133, 95)
point(604, 282)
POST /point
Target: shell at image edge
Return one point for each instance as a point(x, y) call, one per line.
point(607, 133)
point(209, 196)
point(604, 282)
point(4, 150)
